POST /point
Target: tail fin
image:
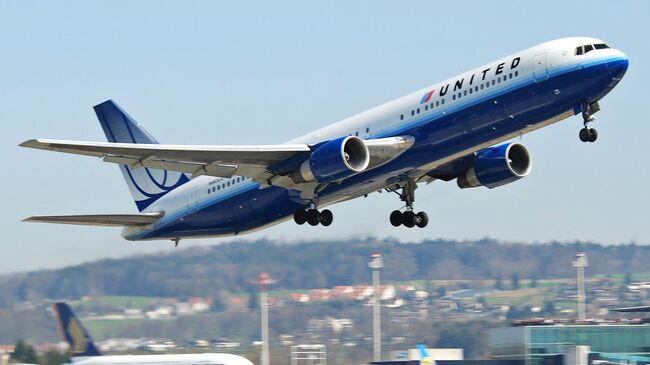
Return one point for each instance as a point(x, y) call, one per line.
point(146, 185)
point(73, 332)
point(425, 359)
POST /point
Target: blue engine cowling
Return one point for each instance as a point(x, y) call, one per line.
point(496, 166)
point(335, 160)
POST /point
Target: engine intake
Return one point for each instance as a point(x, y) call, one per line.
point(497, 166)
point(335, 160)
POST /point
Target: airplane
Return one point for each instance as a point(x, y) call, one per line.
point(83, 350)
point(454, 129)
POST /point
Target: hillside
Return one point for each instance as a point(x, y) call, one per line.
point(211, 271)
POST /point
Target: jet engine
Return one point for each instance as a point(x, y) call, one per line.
point(496, 166)
point(335, 160)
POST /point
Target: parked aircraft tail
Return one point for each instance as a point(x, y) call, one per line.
point(81, 345)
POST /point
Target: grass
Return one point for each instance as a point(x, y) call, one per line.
point(115, 301)
point(103, 328)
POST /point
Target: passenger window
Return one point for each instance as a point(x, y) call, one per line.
point(509, 76)
point(431, 105)
point(453, 97)
point(470, 91)
point(401, 117)
point(475, 88)
point(465, 93)
point(418, 110)
point(588, 48)
point(437, 103)
point(516, 73)
point(443, 101)
point(356, 134)
point(481, 86)
point(412, 112)
point(367, 130)
point(426, 107)
point(493, 82)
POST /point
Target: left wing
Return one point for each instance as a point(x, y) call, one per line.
point(221, 161)
point(259, 162)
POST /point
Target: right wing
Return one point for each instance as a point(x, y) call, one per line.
point(109, 220)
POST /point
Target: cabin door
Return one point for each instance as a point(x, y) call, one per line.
point(540, 67)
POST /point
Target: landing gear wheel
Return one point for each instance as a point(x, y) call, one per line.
point(593, 135)
point(313, 218)
point(300, 216)
point(408, 219)
point(396, 218)
point(326, 217)
point(422, 219)
point(584, 134)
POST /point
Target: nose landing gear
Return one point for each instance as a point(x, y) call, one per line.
point(588, 134)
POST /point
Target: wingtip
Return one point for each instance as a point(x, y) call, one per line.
point(28, 143)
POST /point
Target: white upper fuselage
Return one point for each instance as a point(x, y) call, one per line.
point(397, 115)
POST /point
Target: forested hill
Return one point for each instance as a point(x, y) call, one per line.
point(215, 270)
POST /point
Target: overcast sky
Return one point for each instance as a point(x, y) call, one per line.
point(208, 72)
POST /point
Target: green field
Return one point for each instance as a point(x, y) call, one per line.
point(116, 301)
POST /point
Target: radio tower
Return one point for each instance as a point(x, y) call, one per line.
point(264, 280)
point(376, 264)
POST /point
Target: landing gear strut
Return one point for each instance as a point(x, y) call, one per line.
point(408, 218)
point(313, 216)
point(588, 134)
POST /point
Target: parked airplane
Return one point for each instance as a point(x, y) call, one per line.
point(83, 351)
point(445, 131)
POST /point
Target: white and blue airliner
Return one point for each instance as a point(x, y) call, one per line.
point(453, 130)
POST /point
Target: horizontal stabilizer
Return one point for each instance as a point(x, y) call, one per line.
point(109, 220)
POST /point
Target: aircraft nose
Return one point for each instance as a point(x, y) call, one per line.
point(618, 66)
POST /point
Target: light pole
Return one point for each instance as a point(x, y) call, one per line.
point(580, 263)
point(376, 264)
point(264, 280)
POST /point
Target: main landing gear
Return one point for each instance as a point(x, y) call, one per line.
point(408, 218)
point(313, 216)
point(588, 134)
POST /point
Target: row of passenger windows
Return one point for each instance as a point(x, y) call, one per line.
point(590, 47)
point(226, 183)
point(426, 108)
point(485, 85)
point(471, 90)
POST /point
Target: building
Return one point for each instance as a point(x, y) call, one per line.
point(543, 345)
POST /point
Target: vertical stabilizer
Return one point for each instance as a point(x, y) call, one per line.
point(146, 185)
point(81, 345)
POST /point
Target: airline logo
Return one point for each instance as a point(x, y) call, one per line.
point(427, 97)
point(77, 335)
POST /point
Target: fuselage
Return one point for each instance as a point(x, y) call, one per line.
point(453, 118)
point(180, 359)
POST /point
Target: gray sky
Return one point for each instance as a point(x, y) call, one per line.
point(210, 72)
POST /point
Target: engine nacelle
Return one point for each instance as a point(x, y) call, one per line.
point(497, 166)
point(335, 160)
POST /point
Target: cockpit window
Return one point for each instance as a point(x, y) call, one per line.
point(590, 47)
